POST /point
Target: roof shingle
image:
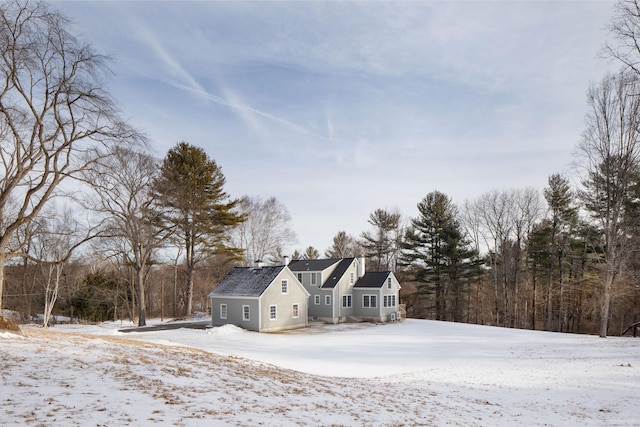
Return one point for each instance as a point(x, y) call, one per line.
point(372, 279)
point(246, 281)
point(337, 273)
point(311, 264)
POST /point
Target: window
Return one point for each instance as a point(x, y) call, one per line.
point(295, 311)
point(353, 278)
point(246, 313)
point(313, 279)
point(273, 313)
point(385, 301)
point(300, 277)
point(327, 299)
point(389, 301)
point(346, 301)
point(369, 301)
point(316, 299)
point(223, 311)
point(285, 286)
point(389, 283)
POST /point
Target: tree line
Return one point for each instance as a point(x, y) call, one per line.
point(94, 227)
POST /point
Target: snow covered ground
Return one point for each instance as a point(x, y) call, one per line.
point(413, 373)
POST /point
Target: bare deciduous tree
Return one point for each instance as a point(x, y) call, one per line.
point(266, 231)
point(55, 117)
point(625, 29)
point(499, 222)
point(610, 157)
point(125, 200)
point(54, 240)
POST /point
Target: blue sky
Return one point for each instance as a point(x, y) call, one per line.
point(340, 108)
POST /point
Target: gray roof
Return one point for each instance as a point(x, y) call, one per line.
point(373, 279)
point(312, 264)
point(337, 273)
point(246, 281)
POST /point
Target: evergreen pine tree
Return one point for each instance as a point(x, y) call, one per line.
point(200, 213)
point(441, 260)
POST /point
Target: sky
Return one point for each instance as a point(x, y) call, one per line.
point(341, 108)
point(417, 372)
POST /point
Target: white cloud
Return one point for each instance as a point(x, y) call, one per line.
point(463, 96)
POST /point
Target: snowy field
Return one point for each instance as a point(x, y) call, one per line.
point(408, 374)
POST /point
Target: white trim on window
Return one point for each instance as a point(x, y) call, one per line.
point(327, 300)
point(223, 311)
point(389, 283)
point(295, 311)
point(285, 286)
point(346, 301)
point(273, 312)
point(246, 313)
point(316, 299)
point(369, 301)
point(389, 301)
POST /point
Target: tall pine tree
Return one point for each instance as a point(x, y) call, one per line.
point(563, 219)
point(382, 245)
point(439, 257)
point(200, 213)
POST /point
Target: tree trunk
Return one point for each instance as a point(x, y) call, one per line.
point(175, 289)
point(496, 284)
point(189, 289)
point(516, 288)
point(26, 290)
point(547, 325)
point(3, 260)
point(560, 293)
point(189, 259)
point(115, 303)
point(605, 303)
point(533, 297)
point(51, 291)
point(142, 312)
